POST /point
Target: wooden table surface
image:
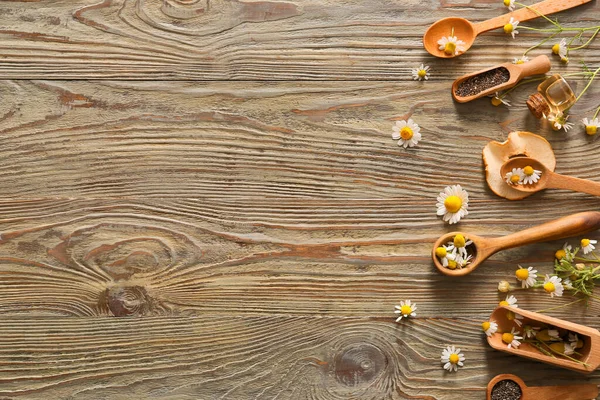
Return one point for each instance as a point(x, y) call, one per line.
point(201, 199)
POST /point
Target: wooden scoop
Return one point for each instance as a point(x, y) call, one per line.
point(482, 248)
point(539, 65)
point(467, 31)
point(590, 352)
point(549, 179)
point(568, 392)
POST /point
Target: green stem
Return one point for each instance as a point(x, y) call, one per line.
point(588, 42)
point(540, 43)
point(589, 83)
point(596, 113)
point(561, 306)
point(538, 13)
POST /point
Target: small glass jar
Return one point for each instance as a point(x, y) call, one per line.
point(554, 96)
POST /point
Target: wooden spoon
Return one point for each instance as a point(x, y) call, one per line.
point(549, 179)
point(467, 31)
point(590, 352)
point(539, 65)
point(567, 392)
point(482, 248)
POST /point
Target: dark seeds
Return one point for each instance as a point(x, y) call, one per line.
point(506, 390)
point(478, 83)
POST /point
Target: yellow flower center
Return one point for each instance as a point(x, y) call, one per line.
point(508, 28)
point(453, 358)
point(558, 347)
point(522, 274)
point(507, 337)
point(496, 101)
point(556, 48)
point(459, 240)
point(560, 254)
point(515, 178)
point(543, 335)
point(453, 203)
point(406, 133)
point(406, 310)
point(519, 61)
point(485, 326)
point(579, 344)
point(528, 170)
point(507, 3)
point(421, 73)
point(549, 287)
point(503, 303)
point(585, 242)
point(450, 48)
point(591, 129)
point(441, 252)
point(510, 316)
point(452, 264)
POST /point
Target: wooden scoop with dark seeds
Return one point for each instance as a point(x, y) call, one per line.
point(568, 392)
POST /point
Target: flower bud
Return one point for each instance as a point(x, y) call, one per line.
point(503, 287)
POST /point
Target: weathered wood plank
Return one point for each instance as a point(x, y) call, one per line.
point(234, 39)
point(177, 139)
point(251, 357)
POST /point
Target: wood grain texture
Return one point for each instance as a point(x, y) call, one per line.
point(174, 139)
point(237, 39)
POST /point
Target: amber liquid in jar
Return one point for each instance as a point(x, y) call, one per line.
point(554, 96)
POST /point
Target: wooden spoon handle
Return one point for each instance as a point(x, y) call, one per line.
point(537, 66)
point(557, 181)
point(572, 225)
point(570, 392)
point(545, 7)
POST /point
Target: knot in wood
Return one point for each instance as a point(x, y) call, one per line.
point(359, 364)
point(126, 301)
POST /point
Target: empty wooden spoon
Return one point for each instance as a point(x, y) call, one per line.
point(568, 392)
point(467, 31)
point(548, 178)
point(482, 248)
point(589, 354)
point(539, 65)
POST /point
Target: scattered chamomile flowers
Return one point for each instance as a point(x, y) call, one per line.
point(509, 301)
point(587, 245)
point(553, 285)
point(407, 133)
point(511, 27)
point(560, 49)
point(512, 338)
point(591, 126)
point(521, 60)
point(452, 358)
point(559, 121)
point(510, 4)
point(446, 257)
point(531, 175)
point(453, 203)
point(489, 327)
point(499, 99)
point(514, 177)
point(504, 287)
point(451, 45)
point(527, 276)
point(421, 73)
point(566, 252)
point(406, 309)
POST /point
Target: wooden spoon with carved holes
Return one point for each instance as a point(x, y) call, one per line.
point(548, 179)
point(567, 392)
point(467, 31)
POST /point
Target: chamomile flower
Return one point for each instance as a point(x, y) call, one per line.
point(587, 245)
point(421, 73)
point(511, 27)
point(444, 255)
point(499, 99)
point(574, 341)
point(509, 301)
point(452, 358)
point(527, 276)
point(562, 348)
point(510, 4)
point(512, 338)
point(451, 45)
point(530, 175)
point(547, 335)
point(591, 126)
point(560, 48)
point(520, 60)
point(458, 245)
point(407, 133)
point(559, 121)
point(567, 284)
point(516, 318)
point(464, 261)
point(406, 309)
point(489, 327)
point(529, 331)
point(566, 253)
point(553, 285)
point(504, 287)
point(514, 177)
point(452, 203)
